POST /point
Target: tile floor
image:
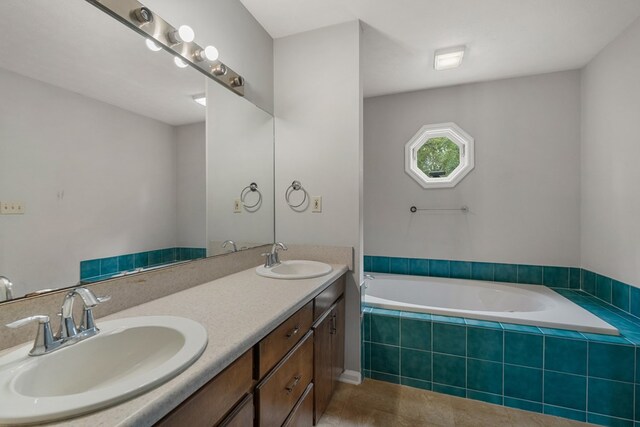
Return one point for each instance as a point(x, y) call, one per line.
point(376, 403)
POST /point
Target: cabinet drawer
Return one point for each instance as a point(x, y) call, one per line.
point(325, 300)
point(283, 387)
point(209, 405)
point(275, 345)
point(242, 416)
point(302, 414)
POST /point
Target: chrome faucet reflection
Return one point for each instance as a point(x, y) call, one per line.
point(69, 333)
point(230, 242)
point(272, 258)
point(6, 289)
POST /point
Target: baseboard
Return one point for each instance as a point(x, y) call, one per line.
point(350, 377)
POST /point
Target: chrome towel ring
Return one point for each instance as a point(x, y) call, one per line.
point(295, 186)
point(251, 188)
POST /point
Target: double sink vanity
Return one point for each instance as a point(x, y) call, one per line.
point(241, 350)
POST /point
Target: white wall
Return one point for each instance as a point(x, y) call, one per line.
point(523, 194)
point(318, 142)
point(117, 171)
point(242, 42)
point(191, 169)
point(610, 153)
point(240, 151)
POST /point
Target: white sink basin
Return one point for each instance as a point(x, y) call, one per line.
point(295, 269)
point(127, 358)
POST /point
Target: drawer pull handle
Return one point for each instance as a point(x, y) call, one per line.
point(293, 332)
point(293, 384)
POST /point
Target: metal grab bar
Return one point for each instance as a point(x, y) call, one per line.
point(463, 209)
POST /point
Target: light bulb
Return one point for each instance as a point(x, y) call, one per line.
point(209, 53)
point(179, 62)
point(152, 45)
point(184, 33)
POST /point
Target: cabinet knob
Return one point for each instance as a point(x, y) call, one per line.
point(293, 384)
point(294, 331)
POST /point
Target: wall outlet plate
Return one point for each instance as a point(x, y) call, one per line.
point(11, 208)
point(237, 206)
point(316, 204)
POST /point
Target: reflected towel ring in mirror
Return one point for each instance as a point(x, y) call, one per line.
point(295, 186)
point(251, 188)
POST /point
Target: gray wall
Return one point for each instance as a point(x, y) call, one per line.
point(318, 142)
point(523, 194)
point(53, 141)
point(610, 153)
point(191, 183)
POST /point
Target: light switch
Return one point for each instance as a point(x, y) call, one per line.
point(11, 208)
point(316, 204)
point(237, 206)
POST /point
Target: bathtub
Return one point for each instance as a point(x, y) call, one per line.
point(533, 305)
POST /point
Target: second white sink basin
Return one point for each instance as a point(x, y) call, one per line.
point(127, 358)
point(295, 269)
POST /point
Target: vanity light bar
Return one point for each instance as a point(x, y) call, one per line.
point(156, 30)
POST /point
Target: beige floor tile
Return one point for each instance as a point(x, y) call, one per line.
point(380, 404)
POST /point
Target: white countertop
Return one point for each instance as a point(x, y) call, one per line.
point(237, 310)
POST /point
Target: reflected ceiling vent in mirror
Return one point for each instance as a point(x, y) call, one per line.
point(447, 59)
point(200, 99)
point(179, 41)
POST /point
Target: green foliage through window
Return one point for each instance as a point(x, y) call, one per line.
point(438, 157)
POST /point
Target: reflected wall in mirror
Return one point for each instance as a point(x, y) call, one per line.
point(103, 145)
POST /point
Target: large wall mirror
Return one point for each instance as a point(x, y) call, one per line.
point(114, 165)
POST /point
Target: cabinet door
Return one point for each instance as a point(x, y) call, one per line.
point(337, 345)
point(323, 365)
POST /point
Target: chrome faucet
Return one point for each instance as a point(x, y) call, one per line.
point(230, 242)
point(272, 258)
point(68, 327)
point(69, 333)
point(7, 289)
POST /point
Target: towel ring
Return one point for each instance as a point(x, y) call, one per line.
point(251, 188)
point(295, 186)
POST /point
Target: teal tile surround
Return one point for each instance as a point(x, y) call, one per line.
point(95, 270)
point(580, 376)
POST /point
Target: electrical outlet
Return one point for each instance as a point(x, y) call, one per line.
point(11, 208)
point(316, 204)
point(237, 206)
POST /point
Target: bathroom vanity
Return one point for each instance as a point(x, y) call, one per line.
point(287, 378)
point(275, 351)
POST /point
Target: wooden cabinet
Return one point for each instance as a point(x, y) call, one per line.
point(208, 406)
point(295, 367)
point(275, 345)
point(302, 414)
point(281, 390)
point(329, 333)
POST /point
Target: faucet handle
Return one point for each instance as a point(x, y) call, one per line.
point(41, 319)
point(44, 341)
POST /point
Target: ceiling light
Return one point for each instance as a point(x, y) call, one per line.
point(180, 63)
point(184, 33)
point(201, 99)
point(446, 59)
point(153, 46)
point(209, 53)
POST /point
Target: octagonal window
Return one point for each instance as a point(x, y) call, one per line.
point(439, 156)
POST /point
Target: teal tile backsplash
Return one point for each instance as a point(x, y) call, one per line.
point(103, 268)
